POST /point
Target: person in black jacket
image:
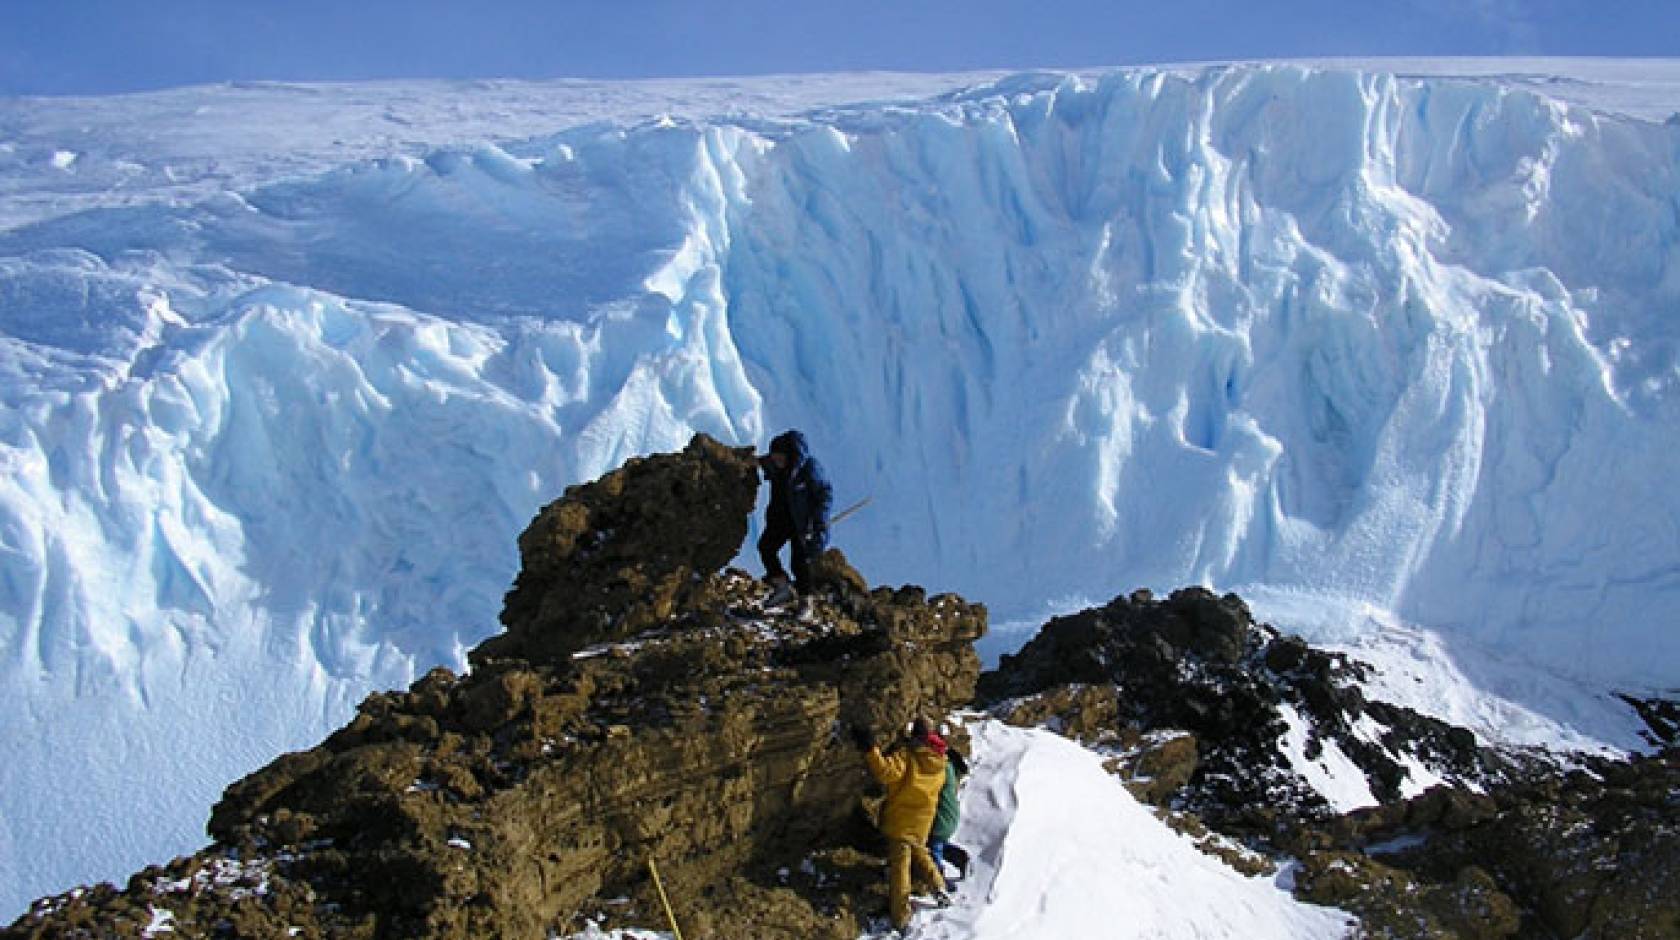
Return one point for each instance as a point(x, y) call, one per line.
point(800, 499)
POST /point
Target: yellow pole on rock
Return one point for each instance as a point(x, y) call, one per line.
point(654, 870)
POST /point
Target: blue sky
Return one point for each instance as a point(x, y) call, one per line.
point(102, 46)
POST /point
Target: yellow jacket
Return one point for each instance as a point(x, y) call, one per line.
point(913, 777)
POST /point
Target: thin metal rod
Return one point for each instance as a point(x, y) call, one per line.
point(843, 514)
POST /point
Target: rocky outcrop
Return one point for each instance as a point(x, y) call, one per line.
point(1595, 855)
point(641, 706)
point(1392, 904)
point(617, 556)
point(1193, 698)
point(1198, 665)
point(1592, 853)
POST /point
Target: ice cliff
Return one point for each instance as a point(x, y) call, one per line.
point(1365, 339)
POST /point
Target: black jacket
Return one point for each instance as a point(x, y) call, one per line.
point(802, 491)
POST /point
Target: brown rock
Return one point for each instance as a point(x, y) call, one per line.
point(611, 558)
point(1162, 767)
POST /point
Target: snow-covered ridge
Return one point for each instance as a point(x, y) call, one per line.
point(65, 154)
point(1306, 331)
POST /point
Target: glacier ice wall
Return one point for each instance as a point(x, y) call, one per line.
point(1329, 333)
point(1407, 342)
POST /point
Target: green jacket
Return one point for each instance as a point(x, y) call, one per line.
point(945, 817)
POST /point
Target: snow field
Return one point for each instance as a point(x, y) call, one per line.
point(1504, 699)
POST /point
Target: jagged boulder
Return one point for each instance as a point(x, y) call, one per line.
point(613, 556)
point(1159, 765)
point(635, 710)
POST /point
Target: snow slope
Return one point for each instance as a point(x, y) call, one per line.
point(1060, 849)
point(284, 370)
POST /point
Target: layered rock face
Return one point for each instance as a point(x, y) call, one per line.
point(641, 705)
point(1193, 699)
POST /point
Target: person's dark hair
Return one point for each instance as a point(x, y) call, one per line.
point(919, 730)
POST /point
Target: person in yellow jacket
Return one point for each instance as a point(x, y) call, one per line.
point(913, 775)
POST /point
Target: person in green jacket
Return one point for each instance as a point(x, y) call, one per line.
point(945, 818)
